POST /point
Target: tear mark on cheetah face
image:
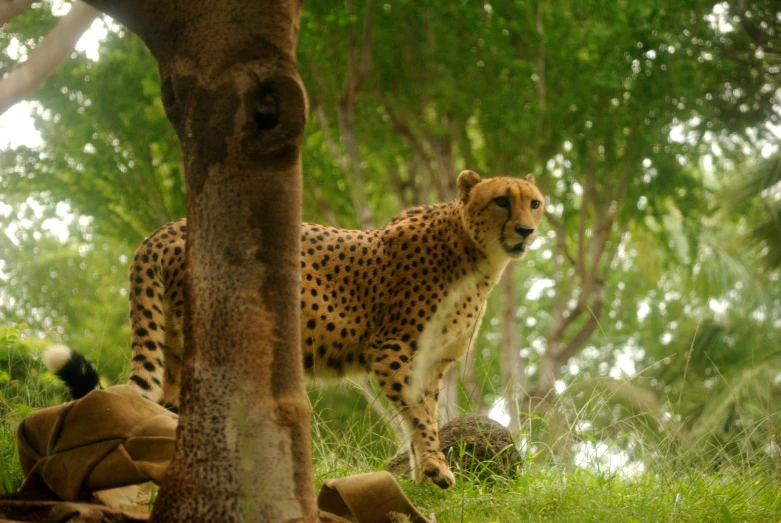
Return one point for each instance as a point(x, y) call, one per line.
point(501, 213)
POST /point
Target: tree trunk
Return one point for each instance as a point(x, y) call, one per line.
point(448, 395)
point(357, 69)
point(358, 191)
point(230, 86)
point(473, 390)
point(514, 381)
point(443, 154)
point(55, 48)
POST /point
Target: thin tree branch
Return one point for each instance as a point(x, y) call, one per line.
point(580, 267)
point(55, 48)
point(590, 199)
point(561, 237)
point(582, 336)
point(400, 185)
point(541, 86)
point(555, 359)
point(605, 224)
point(613, 251)
point(345, 112)
point(356, 75)
point(406, 131)
point(514, 379)
point(443, 155)
point(345, 118)
point(328, 138)
point(11, 8)
point(324, 208)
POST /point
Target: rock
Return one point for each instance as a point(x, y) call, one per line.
point(475, 444)
point(399, 465)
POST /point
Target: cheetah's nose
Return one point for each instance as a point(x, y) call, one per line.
point(523, 231)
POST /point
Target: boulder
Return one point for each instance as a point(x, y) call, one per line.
point(477, 445)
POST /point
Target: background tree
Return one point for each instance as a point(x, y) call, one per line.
point(755, 44)
point(631, 117)
point(120, 128)
point(26, 77)
point(635, 72)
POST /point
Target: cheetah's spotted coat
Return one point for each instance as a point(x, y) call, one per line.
point(402, 302)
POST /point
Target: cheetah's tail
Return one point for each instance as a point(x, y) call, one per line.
point(73, 368)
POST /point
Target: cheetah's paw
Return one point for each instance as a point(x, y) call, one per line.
point(435, 468)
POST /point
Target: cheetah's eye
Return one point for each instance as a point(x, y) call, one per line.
point(536, 204)
point(501, 201)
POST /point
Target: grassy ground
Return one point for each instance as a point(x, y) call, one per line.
point(700, 484)
point(542, 494)
point(686, 487)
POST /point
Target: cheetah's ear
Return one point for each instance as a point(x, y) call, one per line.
point(530, 177)
point(466, 180)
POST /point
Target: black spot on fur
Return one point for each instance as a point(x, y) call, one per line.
point(141, 382)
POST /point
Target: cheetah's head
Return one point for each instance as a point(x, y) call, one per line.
point(502, 215)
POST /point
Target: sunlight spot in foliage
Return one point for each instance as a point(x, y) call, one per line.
point(499, 413)
point(643, 310)
point(717, 306)
point(15, 50)
point(17, 128)
point(538, 287)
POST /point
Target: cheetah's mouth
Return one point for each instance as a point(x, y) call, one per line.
point(513, 250)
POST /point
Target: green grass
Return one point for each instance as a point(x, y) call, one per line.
point(697, 486)
point(701, 481)
point(549, 494)
point(25, 385)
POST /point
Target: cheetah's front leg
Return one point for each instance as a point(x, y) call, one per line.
point(426, 457)
point(392, 366)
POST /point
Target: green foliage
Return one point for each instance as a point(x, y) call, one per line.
point(614, 106)
point(755, 193)
point(25, 385)
point(336, 410)
point(110, 152)
point(68, 284)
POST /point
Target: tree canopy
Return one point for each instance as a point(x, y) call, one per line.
point(642, 122)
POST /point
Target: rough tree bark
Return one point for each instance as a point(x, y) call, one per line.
point(55, 48)
point(230, 86)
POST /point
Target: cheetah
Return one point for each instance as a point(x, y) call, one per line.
point(402, 302)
